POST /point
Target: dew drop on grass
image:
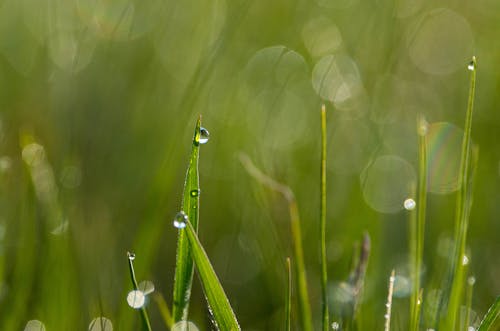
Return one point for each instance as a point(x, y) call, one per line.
point(204, 135)
point(335, 326)
point(194, 193)
point(465, 260)
point(471, 280)
point(131, 256)
point(34, 325)
point(471, 66)
point(101, 324)
point(136, 299)
point(180, 220)
point(409, 204)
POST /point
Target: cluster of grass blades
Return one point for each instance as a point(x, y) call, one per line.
point(191, 254)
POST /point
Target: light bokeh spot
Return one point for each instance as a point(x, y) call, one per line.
point(136, 299)
point(146, 287)
point(336, 78)
point(441, 42)
point(321, 37)
point(34, 325)
point(184, 326)
point(386, 183)
point(101, 324)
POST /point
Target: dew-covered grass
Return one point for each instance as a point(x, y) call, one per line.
point(347, 141)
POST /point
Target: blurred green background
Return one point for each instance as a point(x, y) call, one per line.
point(98, 101)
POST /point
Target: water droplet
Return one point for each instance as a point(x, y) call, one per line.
point(419, 302)
point(131, 256)
point(465, 260)
point(409, 204)
point(386, 316)
point(471, 280)
point(101, 324)
point(471, 328)
point(335, 326)
point(204, 135)
point(136, 299)
point(472, 64)
point(194, 193)
point(180, 220)
point(34, 325)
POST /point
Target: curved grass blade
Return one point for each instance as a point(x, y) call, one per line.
point(288, 296)
point(462, 211)
point(184, 263)
point(144, 314)
point(324, 273)
point(220, 308)
point(491, 316)
point(300, 269)
point(163, 308)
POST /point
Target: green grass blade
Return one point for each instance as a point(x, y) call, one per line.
point(184, 263)
point(388, 305)
point(491, 316)
point(144, 314)
point(462, 211)
point(300, 269)
point(288, 296)
point(163, 308)
point(418, 225)
point(220, 308)
point(324, 273)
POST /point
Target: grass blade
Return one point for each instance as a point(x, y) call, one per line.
point(144, 314)
point(462, 211)
point(491, 316)
point(163, 308)
point(288, 296)
point(184, 264)
point(388, 305)
point(417, 231)
point(300, 270)
point(324, 273)
point(216, 297)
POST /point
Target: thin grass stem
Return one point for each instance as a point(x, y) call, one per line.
point(288, 295)
point(144, 314)
point(388, 305)
point(300, 270)
point(324, 272)
point(461, 211)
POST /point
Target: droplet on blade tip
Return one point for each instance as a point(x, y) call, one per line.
point(131, 256)
point(204, 135)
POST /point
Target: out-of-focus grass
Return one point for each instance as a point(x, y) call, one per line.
point(111, 90)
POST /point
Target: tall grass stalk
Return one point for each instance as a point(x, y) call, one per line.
point(163, 308)
point(144, 314)
point(184, 268)
point(300, 270)
point(288, 295)
point(417, 226)
point(461, 212)
point(388, 305)
point(324, 273)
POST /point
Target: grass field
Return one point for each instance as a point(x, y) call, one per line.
point(354, 138)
